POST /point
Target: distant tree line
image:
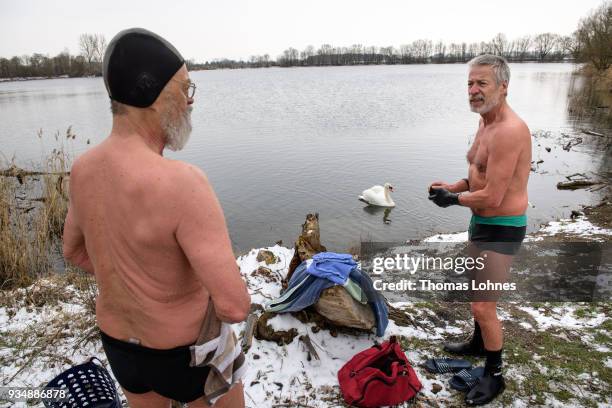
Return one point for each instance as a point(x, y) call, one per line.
point(87, 63)
point(591, 42)
point(544, 47)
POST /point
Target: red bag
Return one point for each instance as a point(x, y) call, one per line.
point(378, 376)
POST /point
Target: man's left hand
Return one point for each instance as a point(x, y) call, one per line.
point(442, 197)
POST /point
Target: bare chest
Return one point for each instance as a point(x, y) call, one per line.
point(478, 155)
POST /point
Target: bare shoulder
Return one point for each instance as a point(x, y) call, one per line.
point(83, 164)
point(517, 125)
point(189, 179)
point(513, 131)
point(184, 172)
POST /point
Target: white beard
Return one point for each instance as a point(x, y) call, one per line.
point(177, 132)
point(486, 107)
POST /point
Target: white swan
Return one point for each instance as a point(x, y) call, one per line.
point(378, 195)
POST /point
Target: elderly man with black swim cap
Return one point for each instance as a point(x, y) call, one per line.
point(152, 230)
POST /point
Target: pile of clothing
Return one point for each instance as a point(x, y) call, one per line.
point(324, 270)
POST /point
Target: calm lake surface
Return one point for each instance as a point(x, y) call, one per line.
point(279, 143)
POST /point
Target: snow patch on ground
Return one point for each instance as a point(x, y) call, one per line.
point(580, 226)
point(275, 374)
point(457, 237)
point(562, 316)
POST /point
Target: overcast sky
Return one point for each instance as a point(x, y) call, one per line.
point(205, 30)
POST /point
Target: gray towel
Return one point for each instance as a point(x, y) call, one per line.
point(217, 348)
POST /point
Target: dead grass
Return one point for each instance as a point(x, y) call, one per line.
point(592, 100)
point(32, 214)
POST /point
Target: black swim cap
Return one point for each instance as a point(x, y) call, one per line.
point(137, 65)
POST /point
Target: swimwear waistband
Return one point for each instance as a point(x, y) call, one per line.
point(505, 220)
point(126, 346)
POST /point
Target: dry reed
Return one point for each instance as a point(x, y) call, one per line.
point(32, 214)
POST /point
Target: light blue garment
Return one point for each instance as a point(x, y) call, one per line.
point(305, 289)
point(332, 266)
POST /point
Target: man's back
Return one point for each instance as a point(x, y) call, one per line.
point(152, 230)
point(126, 203)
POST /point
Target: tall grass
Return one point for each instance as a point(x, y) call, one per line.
point(33, 207)
point(590, 96)
point(19, 257)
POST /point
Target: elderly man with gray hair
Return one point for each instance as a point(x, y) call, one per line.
point(152, 232)
point(499, 162)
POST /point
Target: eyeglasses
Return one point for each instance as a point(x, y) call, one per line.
point(191, 87)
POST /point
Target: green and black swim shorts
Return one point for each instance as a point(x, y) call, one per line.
point(502, 234)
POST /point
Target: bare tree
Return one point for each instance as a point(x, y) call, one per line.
point(100, 47)
point(454, 52)
point(421, 50)
point(356, 51)
point(294, 55)
point(439, 51)
point(594, 36)
point(521, 47)
point(36, 60)
point(568, 45)
point(544, 43)
point(405, 52)
point(93, 47)
point(388, 54)
point(473, 50)
point(499, 45)
point(88, 46)
point(486, 48)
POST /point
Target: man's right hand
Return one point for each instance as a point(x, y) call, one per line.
point(442, 197)
point(438, 184)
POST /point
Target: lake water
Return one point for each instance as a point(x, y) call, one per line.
point(279, 143)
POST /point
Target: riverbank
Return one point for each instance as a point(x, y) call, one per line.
point(593, 99)
point(37, 78)
point(556, 353)
point(232, 65)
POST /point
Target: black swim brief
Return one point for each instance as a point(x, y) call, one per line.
point(167, 372)
point(503, 234)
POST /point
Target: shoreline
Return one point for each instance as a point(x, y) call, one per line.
point(595, 219)
point(23, 79)
point(50, 325)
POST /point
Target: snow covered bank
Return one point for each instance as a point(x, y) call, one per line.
point(578, 227)
point(41, 338)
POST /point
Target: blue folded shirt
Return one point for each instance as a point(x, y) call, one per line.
point(332, 266)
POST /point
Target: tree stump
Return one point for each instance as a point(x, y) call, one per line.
point(307, 244)
point(335, 303)
point(341, 309)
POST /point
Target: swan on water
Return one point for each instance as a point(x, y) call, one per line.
point(378, 195)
